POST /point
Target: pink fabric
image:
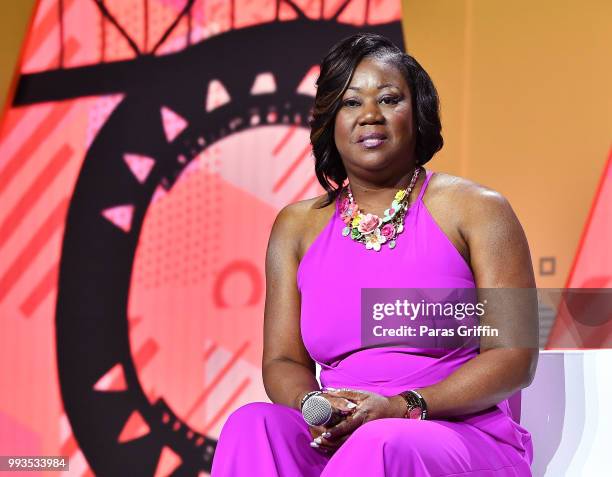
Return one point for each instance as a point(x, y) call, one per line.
point(264, 439)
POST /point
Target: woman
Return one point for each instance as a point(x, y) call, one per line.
point(396, 224)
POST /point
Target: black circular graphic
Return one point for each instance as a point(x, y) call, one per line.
point(97, 258)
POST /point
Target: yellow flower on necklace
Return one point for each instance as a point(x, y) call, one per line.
point(400, 194)
point(356, 220)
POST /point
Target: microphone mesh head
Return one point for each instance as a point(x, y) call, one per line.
point(317, 411)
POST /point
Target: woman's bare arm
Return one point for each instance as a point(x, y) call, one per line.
point(500, 258)
point(287, 368)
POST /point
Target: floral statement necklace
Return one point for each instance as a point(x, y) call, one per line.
point(370, 229)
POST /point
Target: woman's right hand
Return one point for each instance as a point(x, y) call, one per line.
point(317, 432)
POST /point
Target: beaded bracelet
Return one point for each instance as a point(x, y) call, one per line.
point(309, 395)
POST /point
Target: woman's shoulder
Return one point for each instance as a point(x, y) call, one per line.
point(305, 211)
point(463, 193)
point(299, 222)
point(470, 202)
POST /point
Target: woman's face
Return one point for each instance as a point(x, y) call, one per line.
point(374, 127)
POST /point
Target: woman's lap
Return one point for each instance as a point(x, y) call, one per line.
point(269, 440)
point(394, 447)
point(273, 440)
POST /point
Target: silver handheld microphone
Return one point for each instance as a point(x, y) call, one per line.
point(318, 411)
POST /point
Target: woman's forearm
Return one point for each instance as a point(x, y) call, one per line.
point(286, 382)
point(482, 382)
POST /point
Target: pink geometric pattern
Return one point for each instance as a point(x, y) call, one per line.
point(121, 216)
point(139, 165)
point(173, 123)
point(32, 420)
point(113, 380)
point(216, 95)
point(264, 83)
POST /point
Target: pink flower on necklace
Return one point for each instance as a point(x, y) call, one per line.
point(369, 223)
point(344, 205)
point(388, 231)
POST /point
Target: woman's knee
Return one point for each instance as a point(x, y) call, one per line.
point(255, 412)
point(249, 413)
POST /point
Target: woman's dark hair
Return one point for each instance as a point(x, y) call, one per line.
point(337, 69)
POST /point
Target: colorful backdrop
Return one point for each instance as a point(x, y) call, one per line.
point(147, 145)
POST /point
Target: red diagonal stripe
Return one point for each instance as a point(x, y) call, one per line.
point(221, 412)
point(291, 168)
point(71, 46)
point(145, 354)
point(29, 147)
point(303, 190)
point(69, 446)
point(211, 349)
point(11, 121)
point(217, 379)
point(34, 192)
point(283, 142)
point(40, 291)
point(44, 27)
point(40, 238)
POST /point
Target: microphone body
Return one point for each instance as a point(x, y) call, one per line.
point(318, 411)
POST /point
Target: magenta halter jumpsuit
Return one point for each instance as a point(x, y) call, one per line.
point(265, 439)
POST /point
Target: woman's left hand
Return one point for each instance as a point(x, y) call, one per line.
point(370, 406)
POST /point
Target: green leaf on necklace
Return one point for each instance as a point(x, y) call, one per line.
point(355, 234)
point(346, 231)
point(392, 244)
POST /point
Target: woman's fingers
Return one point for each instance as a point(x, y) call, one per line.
point(345, 427)
point(330, 439)
point(359, 406)
point(329, 446)
point(341, 403)
point(321, 440)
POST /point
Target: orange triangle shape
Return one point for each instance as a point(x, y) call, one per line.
point(134, 428)
point(168, 462)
